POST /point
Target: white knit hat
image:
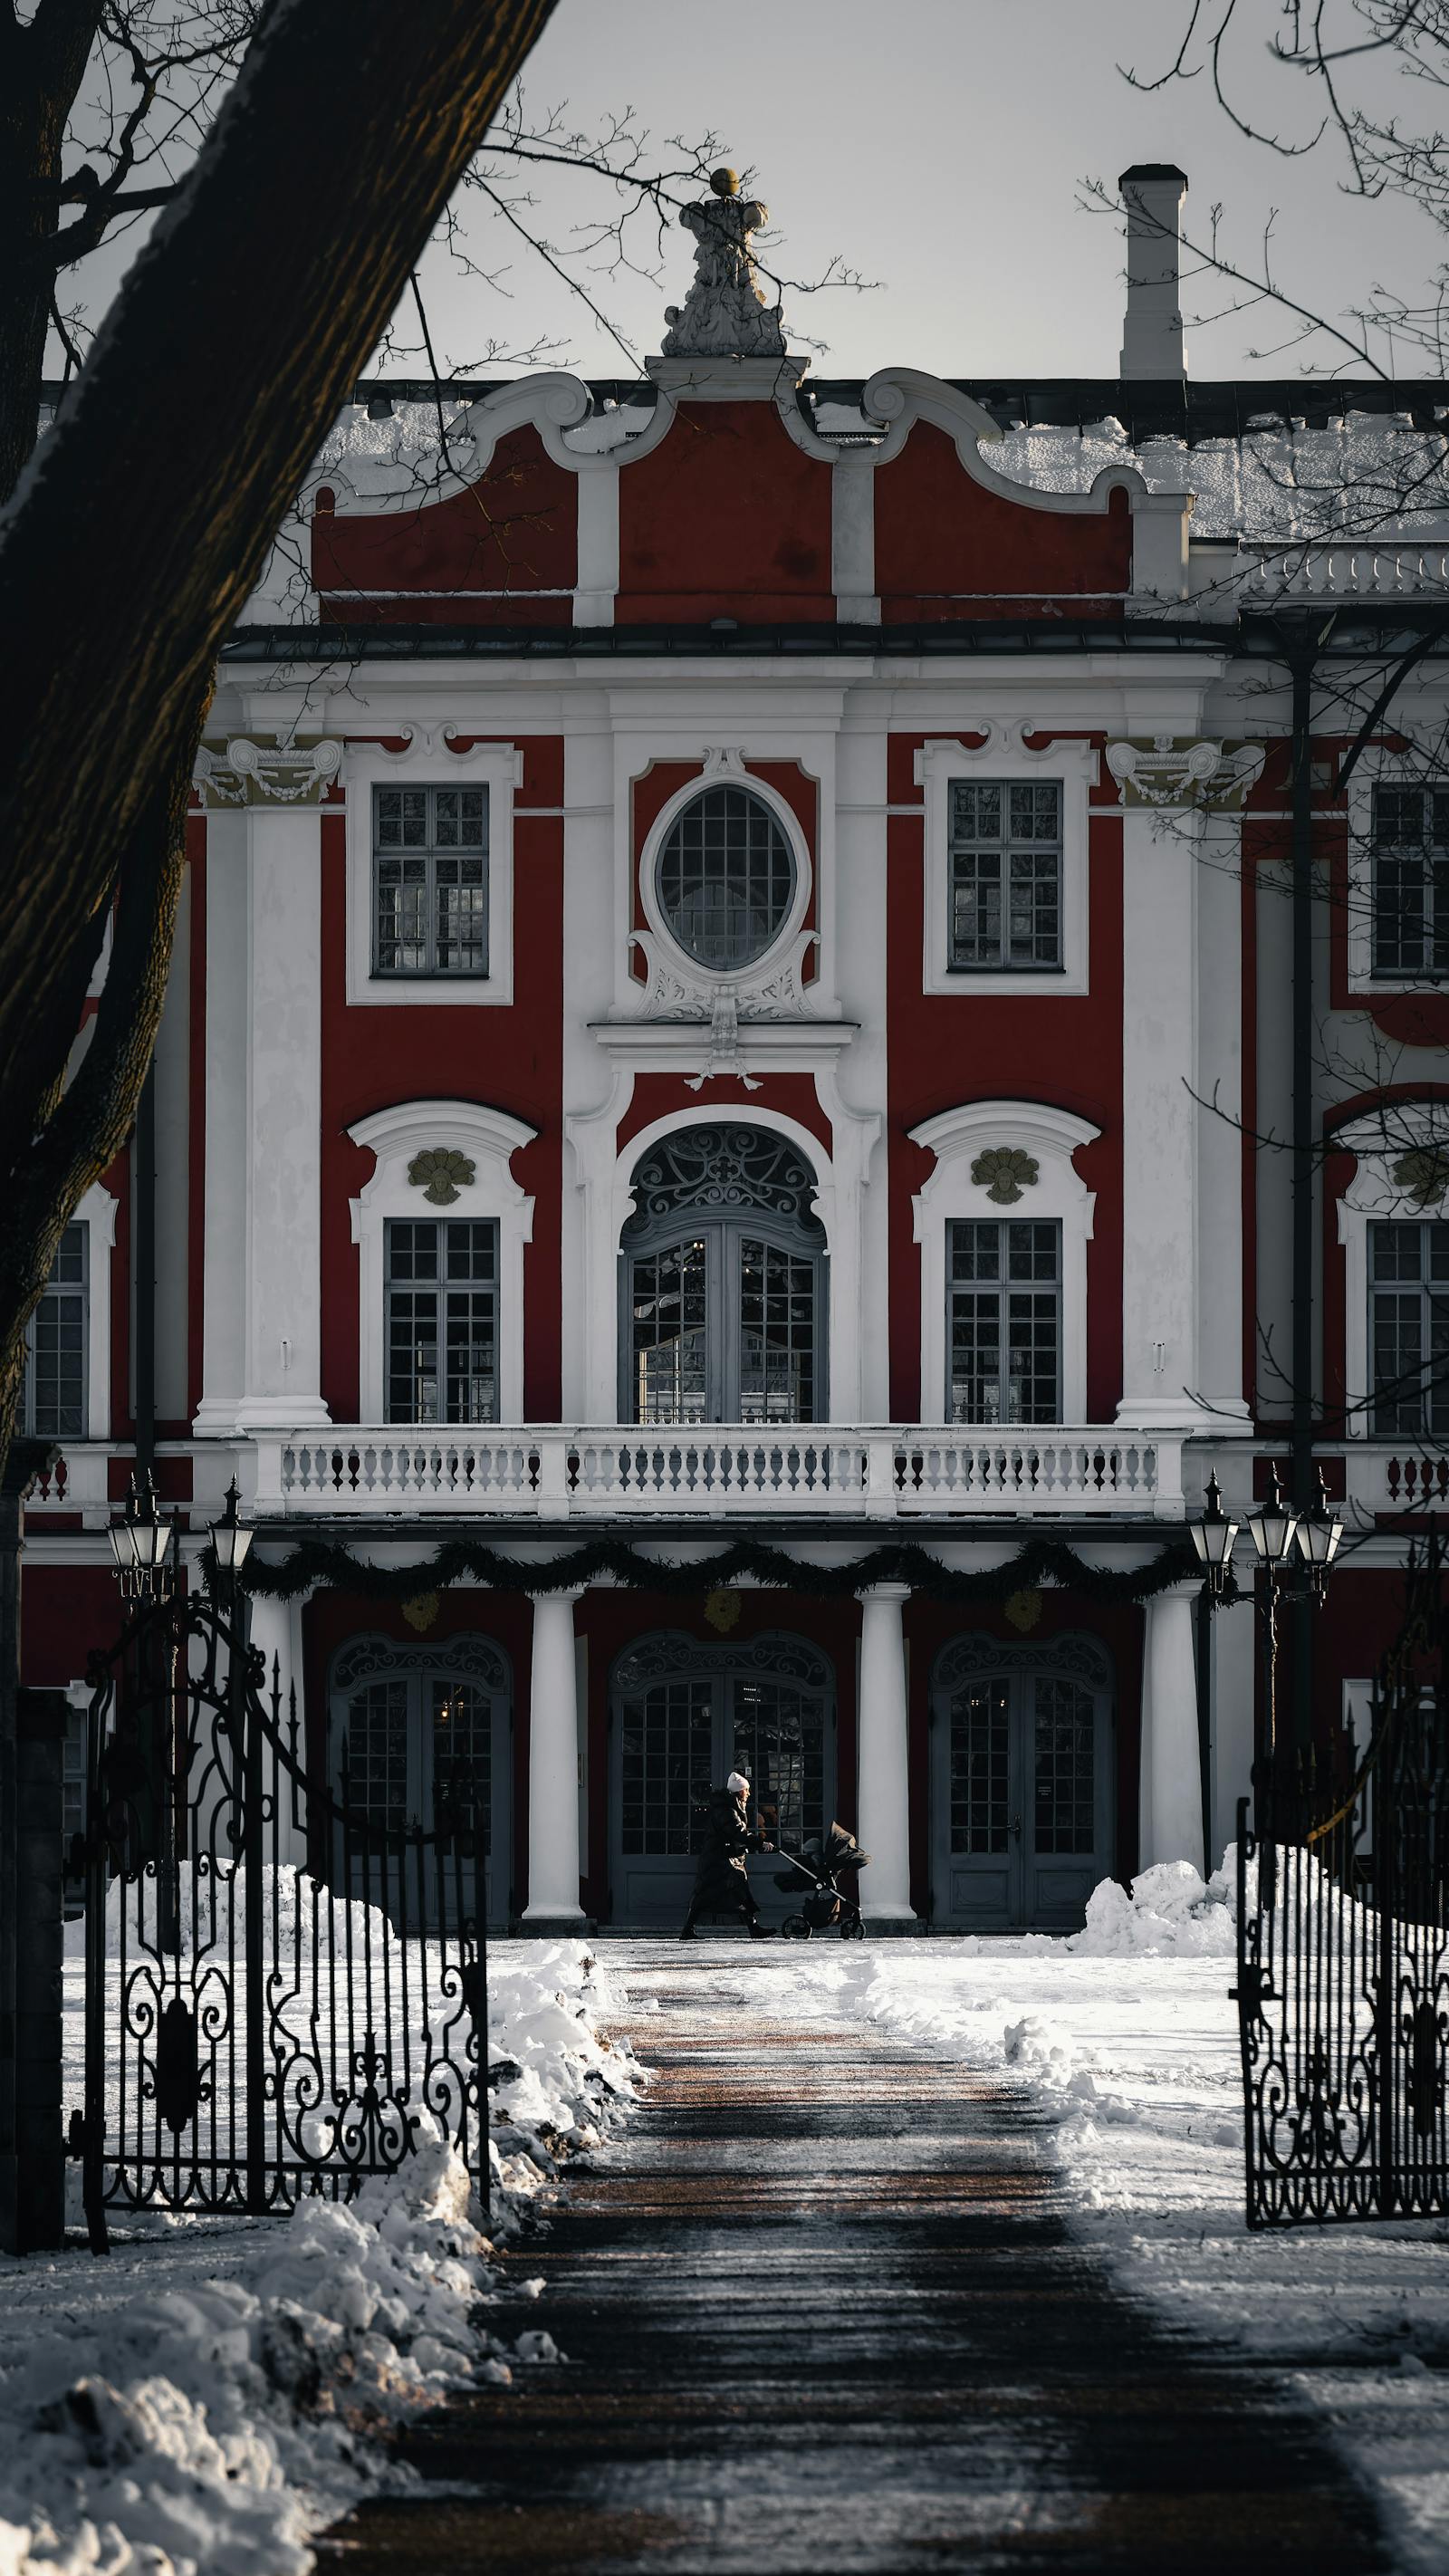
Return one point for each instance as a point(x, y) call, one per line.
point(737, 1785)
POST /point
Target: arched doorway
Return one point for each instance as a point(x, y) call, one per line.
point(1021, 1782)
point(409, 1725)
point(682, 1716)
point(723, 1281)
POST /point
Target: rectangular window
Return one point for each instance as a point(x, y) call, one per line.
point(1004, 1321)
point(55, 1368)
point(430, 881)
point(1005, 874)
point(1411, 881)
point(442, 1320)
point(1409, 1328)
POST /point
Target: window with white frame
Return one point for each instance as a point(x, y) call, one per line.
point(430, 880)
point(1003, 1320)
point(725, 878)
point(1409, 832)
point(441, 1293)
point(1005, 876)
point(56, 1344)
point(1408, 1266)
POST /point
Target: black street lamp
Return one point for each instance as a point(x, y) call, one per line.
point(144, 1548)
point(1214, 1537)
point(230, 1538)
point(1319, 1534)
point(1272, 1528)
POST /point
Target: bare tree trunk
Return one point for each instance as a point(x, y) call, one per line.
point(143, 522)
point(41, 67)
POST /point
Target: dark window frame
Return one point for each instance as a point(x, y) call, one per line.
point(431, 854)
point(1409, 865)
point(60, 1324)
point(979, 1288)
point(1409, 1398)
point(476, 1294)
point(702, 916)
point(1010, 880)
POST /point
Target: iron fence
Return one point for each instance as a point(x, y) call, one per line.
point(1343, 1951)
point(284, 1978)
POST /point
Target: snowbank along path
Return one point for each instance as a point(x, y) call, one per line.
point(821, 2306)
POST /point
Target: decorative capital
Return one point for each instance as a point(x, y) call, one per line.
point(1003, 1172)
point(440, 1172)
point(262, 769)
point(1170, 769)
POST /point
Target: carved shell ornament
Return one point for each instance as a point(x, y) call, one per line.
point(440, 1173)
point(1003, 1172)
point(1424, 1173)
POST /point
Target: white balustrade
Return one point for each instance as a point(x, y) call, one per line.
point(553, 1472)
point(1402, 570)
point(78, 1482)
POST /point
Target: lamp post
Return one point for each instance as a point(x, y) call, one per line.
point(144, 1547)
point(1290, 1545)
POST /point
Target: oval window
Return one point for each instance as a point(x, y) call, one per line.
point(725, 878)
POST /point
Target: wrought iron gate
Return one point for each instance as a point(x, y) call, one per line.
point(283, 1980)
point(1343, 1951)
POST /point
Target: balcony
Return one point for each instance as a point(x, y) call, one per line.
point(718, 1471)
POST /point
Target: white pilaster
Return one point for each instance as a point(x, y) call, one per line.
point(224, 1223)
point(284, 1171)
point(1171, 1781)
point(883, 1793)
point(1160, 1365)
point(553, 1765)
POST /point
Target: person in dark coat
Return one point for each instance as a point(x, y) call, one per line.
point(722, 1879)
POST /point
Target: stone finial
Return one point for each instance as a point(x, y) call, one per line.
point(725, 314)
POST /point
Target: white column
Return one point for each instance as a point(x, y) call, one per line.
point(883, 1800)
point(553, 1766)
point(1171, 1782)
point(1160, 1369)
point(223, 1296)
point(284, 1171)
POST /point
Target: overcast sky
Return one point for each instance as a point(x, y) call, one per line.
point(939, 146)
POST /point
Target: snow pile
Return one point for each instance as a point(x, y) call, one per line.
point(1172, 1907)
point(174, 2413)
point(301, 1918)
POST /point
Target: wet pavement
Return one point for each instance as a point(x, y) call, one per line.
point(822, 2310)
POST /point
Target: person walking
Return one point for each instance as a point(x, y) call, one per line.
point(722, 1879)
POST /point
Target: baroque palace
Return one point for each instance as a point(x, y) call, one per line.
point(799, 1007)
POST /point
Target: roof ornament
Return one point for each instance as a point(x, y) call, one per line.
point(725, 314)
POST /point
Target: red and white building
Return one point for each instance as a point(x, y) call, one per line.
point(734, 976)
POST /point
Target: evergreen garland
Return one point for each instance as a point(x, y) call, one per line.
point(319, 1562)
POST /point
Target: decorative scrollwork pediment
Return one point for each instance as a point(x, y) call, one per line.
point(727, 1169)
point(1166, 769)
point(264, 769)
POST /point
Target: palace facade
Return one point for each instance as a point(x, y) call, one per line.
point(737, 985)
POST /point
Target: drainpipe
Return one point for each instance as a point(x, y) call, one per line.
point(143, 1271)
point(1301, 666)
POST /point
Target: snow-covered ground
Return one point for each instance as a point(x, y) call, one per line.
point(1128, 2034)
point(217, 2390)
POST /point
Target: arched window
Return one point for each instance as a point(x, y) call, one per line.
point(725, 878)
point(723, 1282)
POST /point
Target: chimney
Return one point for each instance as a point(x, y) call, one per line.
point(1152, 192)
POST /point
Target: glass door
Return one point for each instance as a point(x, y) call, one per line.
point(417, 1739)
point(683, 1715)
point(1022, 1793)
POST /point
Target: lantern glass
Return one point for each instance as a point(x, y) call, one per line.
point(1214, 1535)
point(1272, 1528)
point(229, 1536)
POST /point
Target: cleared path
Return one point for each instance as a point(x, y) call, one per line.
point(821, 2311)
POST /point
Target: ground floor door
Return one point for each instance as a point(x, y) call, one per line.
point(683, 1715)
point(1022, 1780)
point(417, 1733)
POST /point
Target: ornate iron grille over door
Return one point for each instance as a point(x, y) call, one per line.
point(1343, 1952)
point(286, 1981)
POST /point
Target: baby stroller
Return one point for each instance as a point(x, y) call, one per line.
point(813, 1873)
